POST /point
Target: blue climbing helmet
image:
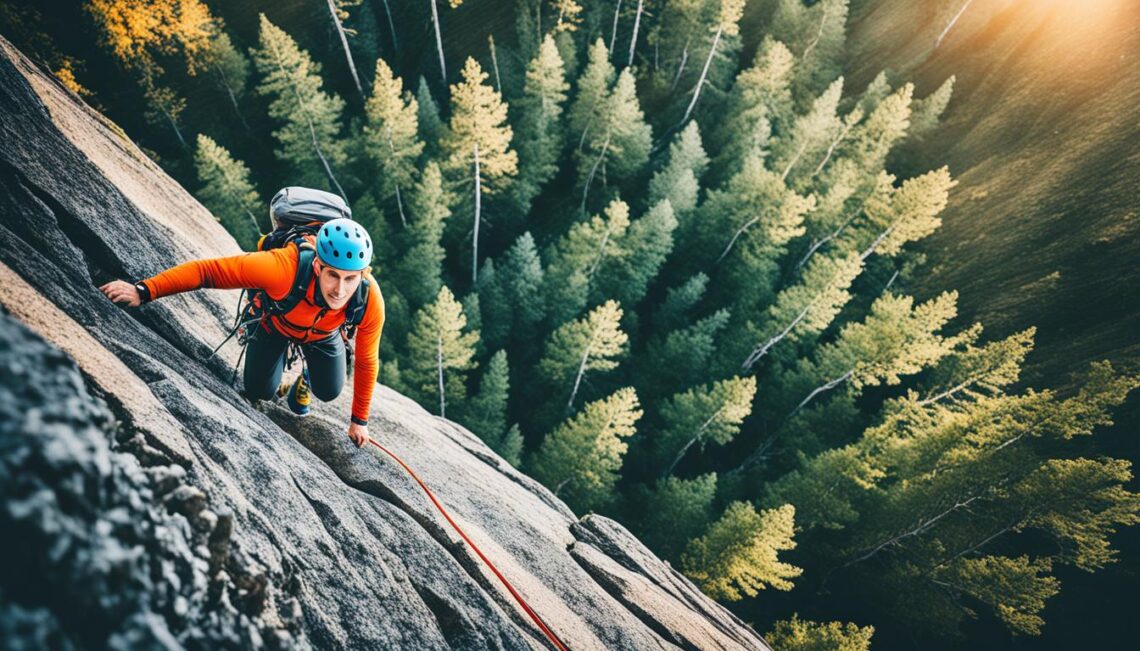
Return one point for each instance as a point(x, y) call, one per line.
point(344, 244)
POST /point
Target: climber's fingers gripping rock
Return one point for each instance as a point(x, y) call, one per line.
point(358, 433)
point(120, 291)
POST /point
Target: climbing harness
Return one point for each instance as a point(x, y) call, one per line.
point(558, 644)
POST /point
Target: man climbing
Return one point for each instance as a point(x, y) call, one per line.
point(340, 283)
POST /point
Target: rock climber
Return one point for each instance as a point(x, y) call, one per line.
point(340, 266)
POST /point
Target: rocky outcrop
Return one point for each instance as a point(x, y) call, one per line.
point(146, 504)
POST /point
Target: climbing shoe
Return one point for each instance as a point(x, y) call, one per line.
point(297, 394)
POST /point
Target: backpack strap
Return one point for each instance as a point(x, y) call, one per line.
point(354, 311)
point(300, 286)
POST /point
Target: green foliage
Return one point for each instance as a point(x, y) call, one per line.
point(580, 460)
point(391, 134)
point(737, 557)
point(419, 274)
point(673, 512)
point(439, 353)
point(227, 191)
point(486, 413)
point(540, 132)
point(796, 634)
point(309, 136)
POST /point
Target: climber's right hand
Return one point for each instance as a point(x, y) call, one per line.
point(120, 291)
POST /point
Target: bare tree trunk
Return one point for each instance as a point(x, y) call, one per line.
point(400, 207)
point(344, 44)
point(590, 178)
point(878, 240)
point(950, 25)
point(256, 226)
point(636, 26)
point(831, 236)
point(735, 236)
point(174, 125)
point(438, 42)
point(613, 34)
point(681, 66)
point(308, 119)
point(818, 35)
point(391, 26)
point(834, 143)
point(818, 390)
point(792, 163)
point(475, 239)
point(916, 530)
point(230, 92)
point(495, 65)
point(439, 369)
point(762, 350)
point(581, 372)
point(601, 253)
point(696, 437)
point(704, 74)
point(399, 201)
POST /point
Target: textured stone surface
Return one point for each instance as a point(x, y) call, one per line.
point(145, 490)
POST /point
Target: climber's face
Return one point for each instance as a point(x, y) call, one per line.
point(337, 285)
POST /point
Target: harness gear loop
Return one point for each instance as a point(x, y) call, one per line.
point(550, 635)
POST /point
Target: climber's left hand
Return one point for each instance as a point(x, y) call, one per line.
point(358, 434)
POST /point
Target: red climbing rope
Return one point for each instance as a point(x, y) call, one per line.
point(522, 602)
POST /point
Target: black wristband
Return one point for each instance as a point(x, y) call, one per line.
point(144, 291)
point(360, 421)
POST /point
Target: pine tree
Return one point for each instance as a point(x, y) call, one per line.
point(904, 215)
point(680, 180)
point(580, 459)
point(759, 102)
point(926, 111)
point(726, 23)
point(477, 143)
point(797, 152)
point(796, 634)
point(487, 412)
point(164, 106)
point(884, 127)
point(309, 139)
point(431, 126)
point(227, 191)
point(522, 287)
point(816, 34)
point(711, 413)
point(642, 250)
point(592, 88)
point(673, 512)
point(679, 301)
point(574, 260)
point(744, 228)
point(738, 556)
point(931, 492)
point(439, 352)
point(230, 69)
point(808, 306)
point(674, 362)
point(619, 143)
point(540, 131)
point(419, 274)
point(592, 343)
point(897, 338)
point(391, 135)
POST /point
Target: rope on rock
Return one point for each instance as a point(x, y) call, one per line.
point(510, 588)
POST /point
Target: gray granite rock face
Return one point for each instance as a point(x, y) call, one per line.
point(144, 503)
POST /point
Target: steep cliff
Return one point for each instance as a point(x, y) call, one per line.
point(146, 504)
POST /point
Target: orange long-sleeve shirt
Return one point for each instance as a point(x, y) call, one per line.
point(273, 271)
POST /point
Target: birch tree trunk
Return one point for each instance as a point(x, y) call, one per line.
point(344, 44)
point(704, 74)
point(438, 42)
